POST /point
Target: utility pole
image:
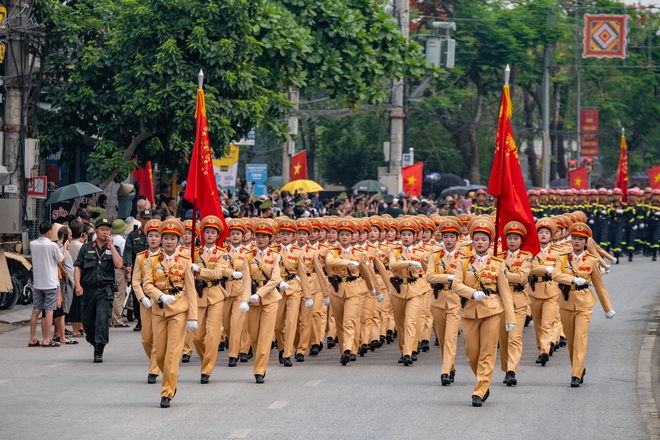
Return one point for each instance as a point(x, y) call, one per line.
point(546, 111)
point(289, 147)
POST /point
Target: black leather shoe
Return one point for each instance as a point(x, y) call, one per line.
point(552, 349)
point(300, 357)
point(506, 378)
point(414, 356)
point(407, 360)
point(281, 357)
point(562, 341)
point(452, 374)
point(164, 402)
point(383, 340)
point(575, 382)
point(363, 350)
point(424, 346)
point(353, 357)
point(538, 360)
point(320, 346)
point(394, 335)
point(98, 358)
point(151, 378)
point(630, 257)
point(185, 358)
point(389, 337)
point(221, 347)
point(250, 355)
point(314, 351)
point(528, 319)
point(233, 362)
point(204, 378)
point(373, 345)
point(476, 401)
point(287, 362)
point(138, 327)
point(273, 345)
point(584, 371)
point(242, 357)
point(444, 378)
point(486, 395)
point(512, 379)
point(544, 359)
point(437, 342)
point(346, 357)
point(331, 343)
point(259, 378)
point(401, 359)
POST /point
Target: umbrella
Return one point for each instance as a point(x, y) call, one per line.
point(275, 181)
point(372, 186)
point(475, 187)
point(71, 192)
point(302, 186)
point(454, 190)
point(449, 180)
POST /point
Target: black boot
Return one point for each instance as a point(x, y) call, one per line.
point(314, 351)
point(185, 358)
point(424, 346)
point(346, 357)
point(452, 375)
point(250, 354)
point(98, 353)
point(512, 381)
point(630, 255)
point(281, 358)
point(617, 255)
point(655, 255)
point(363, 350)
point(444, 378)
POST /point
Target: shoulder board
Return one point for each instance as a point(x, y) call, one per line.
point(500, 259)
point(187, 257)
point(220, 248)
point(141, 253)
point(525, 252)
point(295, 247)
point(592, 255)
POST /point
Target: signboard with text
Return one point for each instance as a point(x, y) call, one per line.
point(589, 132)
point(257, 173)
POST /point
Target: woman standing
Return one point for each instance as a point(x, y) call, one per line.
point(481, 283)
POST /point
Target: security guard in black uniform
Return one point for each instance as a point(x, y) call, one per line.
point(136, 242)
point(95, 280)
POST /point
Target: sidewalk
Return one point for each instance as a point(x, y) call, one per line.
point(18, 315)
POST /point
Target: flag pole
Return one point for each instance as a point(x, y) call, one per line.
point(200, 85)
point(507, 73)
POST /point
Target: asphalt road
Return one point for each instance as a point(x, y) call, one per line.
point(60, 393)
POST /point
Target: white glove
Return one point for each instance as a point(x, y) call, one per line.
point(380, 297)
point(579, 281)
point(192, 325)
point(603, 271)
point(634, 228)
point(283, 286)
point(244, 307)
point(195, 268)
point(591, 222)
point(166, 299)
point(478, 295)
point(326, 301)
point(641, 226)
point(145, 302)
point(549, 270)
point(354, 263)
point(610, 314)
point(614, 260)
point(603, 211)
point(608, 267)
point(309, 302)
point(657, 213)
point(416, 264)
point(237, 275)
point(254, 298)
point(509, 327)
point(450, 278)
point(619, 211)
point(373, 292)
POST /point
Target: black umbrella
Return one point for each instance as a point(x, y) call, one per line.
point(371, 186)
point(73, 191)
point(449, 180)
point(454, 190)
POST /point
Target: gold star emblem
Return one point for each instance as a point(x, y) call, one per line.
point(170, 225)
point(577, 181)
point(296, 169)
point(411, 180)
point(579, 228)
point(657, 178)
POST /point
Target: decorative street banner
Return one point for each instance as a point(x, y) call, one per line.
point(589, 125)
point(226, 169)
point(257, 173)
point(605, 36)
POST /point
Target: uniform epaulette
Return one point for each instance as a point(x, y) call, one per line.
point(592, 255)
point(187, 257)
point(500, 259)
point(525, 252)
point(141, 253)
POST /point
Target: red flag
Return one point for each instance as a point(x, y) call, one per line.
point(201, 188)
point(412, 179)
point(579, 178)
point(622, 172)
point(298, 168)
point(145, 179)
point(654, 177)
point(507, 183)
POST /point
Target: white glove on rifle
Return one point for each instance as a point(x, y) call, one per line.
point(416, 264)
point(354, 263)
point(610, 314)
point(194, 267)
point(254, 298)
point(549, 270)
point(283, 286)
point(192, 325)
point(579, 281)
point(145, 302)
point(619, 211)
point(641, 226)
point(450, 278)
point(166, 299)
point(603, 211)
point(244, 307)
point(634, 228)
point(380, 297)
point(309, 302)
point(509, 327)
point(326, 301)
point(478, 295)
point(237, 275)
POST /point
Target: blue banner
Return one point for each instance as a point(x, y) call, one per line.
point(257, 173)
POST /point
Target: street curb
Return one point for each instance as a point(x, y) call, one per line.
point(647, 401)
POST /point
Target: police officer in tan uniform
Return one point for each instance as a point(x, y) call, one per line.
point(185, 250)
point(169, 283)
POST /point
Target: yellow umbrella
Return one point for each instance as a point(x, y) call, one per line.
point(302, 186)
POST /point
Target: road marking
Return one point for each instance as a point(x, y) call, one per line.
point(278, 404)
point(54, 365)
point(645, 393)
point(5, 381)
point(313, 383)
point(239, 433)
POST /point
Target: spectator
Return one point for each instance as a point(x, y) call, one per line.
point(117, 233)
point(65, 296)
point(143, 204)
point(100, 210)
point(125, 196)
point(78, 237)
point(46, 257)
point(394, 209)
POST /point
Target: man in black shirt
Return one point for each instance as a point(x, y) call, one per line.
point(95, 276)
point(136, 242)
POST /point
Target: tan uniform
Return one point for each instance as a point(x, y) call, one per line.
point(319, 289)
point(576, 310)
point(543, 298)
point(265, 273)
point(188, 343)
point(378, 255)
point(446, 307)
point(481, 319)
point(238, 291)
point(517, 265)
point(142, 260)
point(427, 315)
point(169, 321)
point(320, 310)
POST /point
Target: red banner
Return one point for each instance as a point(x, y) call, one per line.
point(298, 168)
point(589, 125)
point(412, 179)
point(145, 180)
point(654, 177)
point(579, 178)
point(622, 172)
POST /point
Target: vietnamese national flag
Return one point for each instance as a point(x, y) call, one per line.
point(654, 177)
point(507, 183)
point(622, 171)
point(579, 178)
point(201, 188)
point(412, 179)
point(145, 179)
point(298, 168)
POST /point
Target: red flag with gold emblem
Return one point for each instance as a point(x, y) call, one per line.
point(622, 172)
point(145, 180)
point(412, 179)
point(506, 181)
point(579, 178)
point(201, 188)
point(298, 168)
point(654, 177)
